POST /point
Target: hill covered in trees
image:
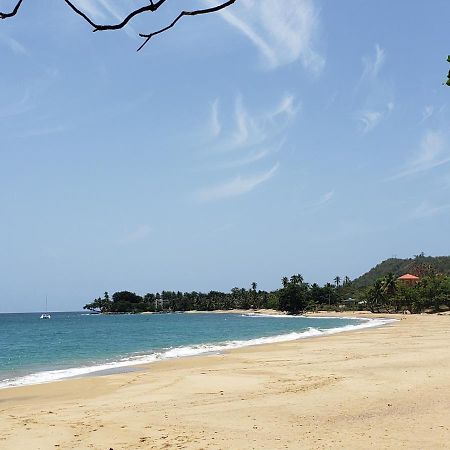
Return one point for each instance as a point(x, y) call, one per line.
point(419, 265)
point(378, 290)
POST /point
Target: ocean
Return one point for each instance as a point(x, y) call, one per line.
point(75, 344)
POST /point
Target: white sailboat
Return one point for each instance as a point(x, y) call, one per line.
point(46, 315)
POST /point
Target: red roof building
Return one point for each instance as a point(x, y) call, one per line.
point(408, 278)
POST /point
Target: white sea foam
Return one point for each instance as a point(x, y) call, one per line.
point(194, 350)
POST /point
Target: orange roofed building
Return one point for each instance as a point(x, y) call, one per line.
point(408, 278)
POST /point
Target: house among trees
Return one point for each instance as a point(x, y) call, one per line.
point(409, 279)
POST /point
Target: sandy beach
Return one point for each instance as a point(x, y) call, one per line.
point(378, 388)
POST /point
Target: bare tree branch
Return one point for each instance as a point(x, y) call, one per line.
point(182, 14)
point(97, 27)
point(151, 7)
point(12, 13)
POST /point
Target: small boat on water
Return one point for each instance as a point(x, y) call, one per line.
point(45, 315)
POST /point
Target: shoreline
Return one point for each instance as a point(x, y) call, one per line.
point(141, 362)
point(379, 388)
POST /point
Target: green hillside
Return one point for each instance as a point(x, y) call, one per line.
point(418, 265)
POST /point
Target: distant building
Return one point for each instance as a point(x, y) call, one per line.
point(409, 279)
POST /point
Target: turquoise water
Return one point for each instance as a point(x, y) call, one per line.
point(72, 344)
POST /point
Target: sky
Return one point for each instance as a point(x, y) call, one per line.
point(276, 137)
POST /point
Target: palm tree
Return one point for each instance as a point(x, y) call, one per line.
point(389, 286)
point(347, 280)
point(254, 295)
point(297, 279)
point(337, 280)
point(285, 281)
point(376, 296)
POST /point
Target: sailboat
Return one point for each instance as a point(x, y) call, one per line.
point(45, 315)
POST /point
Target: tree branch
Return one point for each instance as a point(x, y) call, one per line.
point(97, 27)
point(12, 13)
point(151, 7)
point(182, 14)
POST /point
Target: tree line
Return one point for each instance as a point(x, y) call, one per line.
point(430, 294)
point(386, 295)
point(294, 296)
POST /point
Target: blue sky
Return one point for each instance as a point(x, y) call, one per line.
point(279, 137)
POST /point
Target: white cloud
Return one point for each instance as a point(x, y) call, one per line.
point(325, 198)
point(426, 210)
point(373, 65)
point(138, 234)
point(243, 123)
point(252, 158)
point(91, 8)
point(22, 106)
point(286, 107)
point(283, 32)
point(13, 45)
point(252, 138)
point(236, 187)
point(434, 151)
point(215, 124)
point(372, 118)
point(253, 129)
point(427, 112)
point(102, 10)
point(374, 92)
point(111, 9)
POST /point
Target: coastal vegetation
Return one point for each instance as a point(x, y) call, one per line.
point(429, 293)
point(419, 265)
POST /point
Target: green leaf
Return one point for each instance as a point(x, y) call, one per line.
point(448, 82)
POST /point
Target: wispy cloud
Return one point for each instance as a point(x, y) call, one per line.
point(235, 187)
point(257, 134)
point(426, 210)
point(433, 152)
point(245, 125)
point(103, 9)
point(286, 107)
point(373, 91)
point(427, 112)
point(23, 105)
point(250, 138)
point(18, 103)
point(92, 8)
point(251, 158)
point(138, 234)
point(325, 198)
point(215, 124)
point(372, 65)
point(321, 201)
point(110, 8)
point(252, 129)
point(283, 32)
point(13, 45)
point(370, 118)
